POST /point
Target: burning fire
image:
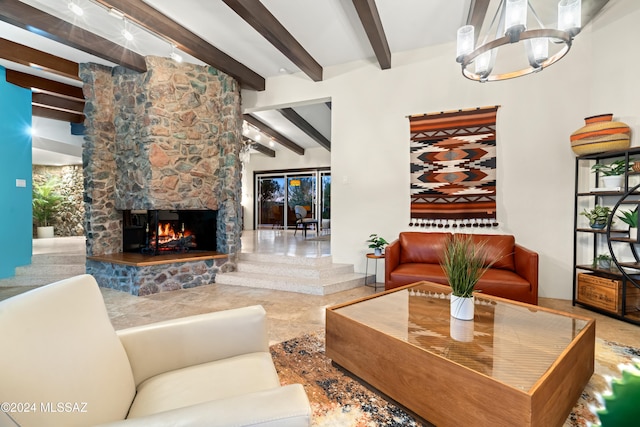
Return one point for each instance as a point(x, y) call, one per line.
point(169, 238)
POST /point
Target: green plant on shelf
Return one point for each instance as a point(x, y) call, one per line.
point(630, 218)
point(602, 261)
point(619, 167)
point(597, 216)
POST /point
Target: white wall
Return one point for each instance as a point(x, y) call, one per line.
point(370, 136)
point(285, 159)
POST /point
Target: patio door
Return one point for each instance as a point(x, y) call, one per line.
point(277, 195)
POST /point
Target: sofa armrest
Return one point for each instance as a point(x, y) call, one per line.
point(391, 259)
point(526, 262)
point(165, 346)
point(286, 406)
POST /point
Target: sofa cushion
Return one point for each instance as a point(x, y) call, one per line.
point(416, 247)
point(412, 272)
point(59, 346)
point(505, 284)
point(221, 379)
point(499, 249)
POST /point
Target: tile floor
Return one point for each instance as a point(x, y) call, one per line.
point(289, 314)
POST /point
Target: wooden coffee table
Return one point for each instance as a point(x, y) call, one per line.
point(515, 364)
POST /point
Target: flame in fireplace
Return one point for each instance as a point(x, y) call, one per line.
point(171, 238)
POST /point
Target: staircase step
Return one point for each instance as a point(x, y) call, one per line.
point(285, 259)
point(45, 270)
point(294, 270)
point(58, 259)
point(338, 283)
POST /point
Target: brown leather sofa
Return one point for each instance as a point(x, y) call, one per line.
point(416, 256)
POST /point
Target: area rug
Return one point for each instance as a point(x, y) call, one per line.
point(339, 400)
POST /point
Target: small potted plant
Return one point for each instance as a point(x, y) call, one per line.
point(377, 243)
point(611, 173)
point(602, 261)
point(597, 216)
point(46, 203)
point(631, 219)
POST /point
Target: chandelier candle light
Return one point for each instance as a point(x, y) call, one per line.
point(511, 26)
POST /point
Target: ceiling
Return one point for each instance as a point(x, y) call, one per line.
point(249, 39)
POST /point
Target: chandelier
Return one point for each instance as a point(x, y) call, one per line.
point(509, 27)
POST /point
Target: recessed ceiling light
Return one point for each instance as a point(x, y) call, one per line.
point(76, 9)
point(127, 35)
point(271, 143)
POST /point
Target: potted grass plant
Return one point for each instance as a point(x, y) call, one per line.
point(463, 262)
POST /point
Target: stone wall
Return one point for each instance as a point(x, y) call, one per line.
point(169, 138)
point(70, 219)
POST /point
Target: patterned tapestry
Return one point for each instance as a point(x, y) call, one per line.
point(453, 168)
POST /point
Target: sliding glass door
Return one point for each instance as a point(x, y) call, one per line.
point(279, 193)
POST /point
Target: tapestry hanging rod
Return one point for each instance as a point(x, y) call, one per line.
point(461, 110)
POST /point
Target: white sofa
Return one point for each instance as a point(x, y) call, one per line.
point(62, 364)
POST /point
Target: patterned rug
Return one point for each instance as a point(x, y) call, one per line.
point(339, 400)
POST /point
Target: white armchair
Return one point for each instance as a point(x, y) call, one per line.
point(62, 364)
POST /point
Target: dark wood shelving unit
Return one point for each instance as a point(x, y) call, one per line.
point(615, 292)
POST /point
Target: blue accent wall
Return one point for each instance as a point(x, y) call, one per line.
point(15, 164)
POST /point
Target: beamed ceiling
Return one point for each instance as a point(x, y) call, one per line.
point(42, 42)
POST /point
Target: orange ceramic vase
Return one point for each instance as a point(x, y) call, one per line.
point(600, 134)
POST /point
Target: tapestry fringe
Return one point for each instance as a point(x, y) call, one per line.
point(453, 223)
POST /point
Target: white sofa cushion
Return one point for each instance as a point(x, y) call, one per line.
point(59, 347)
point(220, 379)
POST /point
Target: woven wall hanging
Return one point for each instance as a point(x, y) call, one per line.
point(453, 168)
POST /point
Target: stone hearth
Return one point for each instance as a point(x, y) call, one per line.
point(166, 139)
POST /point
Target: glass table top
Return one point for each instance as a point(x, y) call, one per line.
point(511, 343)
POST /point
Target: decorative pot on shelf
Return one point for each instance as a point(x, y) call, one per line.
point(462, 308)
point(633, 234)
point(600, 134)
point(613, 181)
point(377, 251)
point(598, 225)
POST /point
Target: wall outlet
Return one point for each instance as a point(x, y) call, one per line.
point(21, 182)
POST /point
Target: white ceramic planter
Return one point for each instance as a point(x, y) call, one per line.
point(633, 233)
point(613, 181)
point(462, 308)
point(44, 232)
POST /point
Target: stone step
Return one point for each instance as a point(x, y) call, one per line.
point(286, 259)
point(50, 270)
point(341, 282)
point(58, 259)
point(294, 270)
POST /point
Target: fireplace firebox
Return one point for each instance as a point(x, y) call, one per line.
point(155, 232)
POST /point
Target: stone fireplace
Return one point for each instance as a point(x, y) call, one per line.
point(161, 147)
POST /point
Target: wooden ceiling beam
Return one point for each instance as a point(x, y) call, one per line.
point(295, 118)
point(43, 85)
point(37, 59)
point(38, 22)
point(259, 147)
point(148, 17)
point(279, 138)
point(259, 17)
point(49, 113)
point(477, 14)
point(370, 18)
point(57, 103)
